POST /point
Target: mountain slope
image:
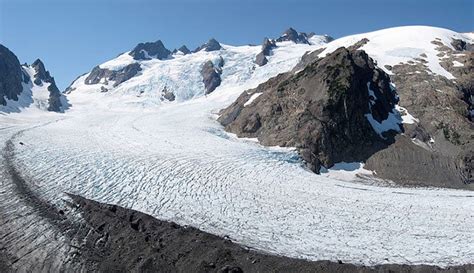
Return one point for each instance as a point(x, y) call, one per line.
point(27, 86)
point(433, 71)
point(181, 74)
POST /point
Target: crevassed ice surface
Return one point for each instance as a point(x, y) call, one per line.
point(175, 162)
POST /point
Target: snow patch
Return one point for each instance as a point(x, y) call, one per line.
point(252, 98)
point(457, 64)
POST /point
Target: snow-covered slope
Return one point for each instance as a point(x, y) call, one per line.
point(34, 97)
point(402, 44)
point(181, 75)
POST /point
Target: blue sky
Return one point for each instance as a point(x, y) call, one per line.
point(72, 36)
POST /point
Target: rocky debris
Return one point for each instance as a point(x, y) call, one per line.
point(168, 95)
point(103, 75)
point(211, 45)
point(150, 50)
point(322, 110)
point(111, 238)
point(211, 75)
point(43, 76)
point(11, 76)
point(294, 36)
point(267, 47)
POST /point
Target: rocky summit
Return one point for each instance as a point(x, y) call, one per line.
point(149, 50)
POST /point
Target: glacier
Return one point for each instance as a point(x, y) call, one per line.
point(175, 162)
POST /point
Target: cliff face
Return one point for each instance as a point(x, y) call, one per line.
point(338, 108)
point(11, 76)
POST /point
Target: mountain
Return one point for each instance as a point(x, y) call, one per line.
point(184, 75)
point(23, 86)
point(146, 134)
point(431, 70)
point(339, 108)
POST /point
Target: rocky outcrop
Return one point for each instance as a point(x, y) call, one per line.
point(11, 76)
point(211, 75)
point(442, 136)
point(42, 76)
point(267, 47)
point(168, 95)
point(294, 36)
point(149, 50)
point(211, 45)
point(103, 75)
point(184, 50)
point(323, 110)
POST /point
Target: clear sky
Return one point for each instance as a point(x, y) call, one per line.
point(72, 36)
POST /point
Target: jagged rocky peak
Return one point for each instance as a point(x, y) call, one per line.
point(211, 45)
point(338, 108)
point(11, 76)
point(150, 50)
point(55, 101)
point(184, 49)
point(211, 74)
point(292, 35)
point(41, 74)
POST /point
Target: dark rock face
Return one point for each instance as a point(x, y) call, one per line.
point(211, 75)
point(460, 45)
point(168, 95)
point(267, 47)
point(294, 36)
point(119, 76)
point(185, 50)
point(261, 59)
point(11, 76)
point(211, 45)
point(43, 76)
point(147, 51)
point(320, 110)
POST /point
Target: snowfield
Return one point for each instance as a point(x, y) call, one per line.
point(174, 161)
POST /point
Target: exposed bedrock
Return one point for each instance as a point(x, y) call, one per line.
point(103, 75)
point(211, 75)
point(56, 101)
point(11, 76)
point(294, 36)
point(444, 131)
point(211, 45)
point(150, 50)
point(267, 47)
point(321, 110)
